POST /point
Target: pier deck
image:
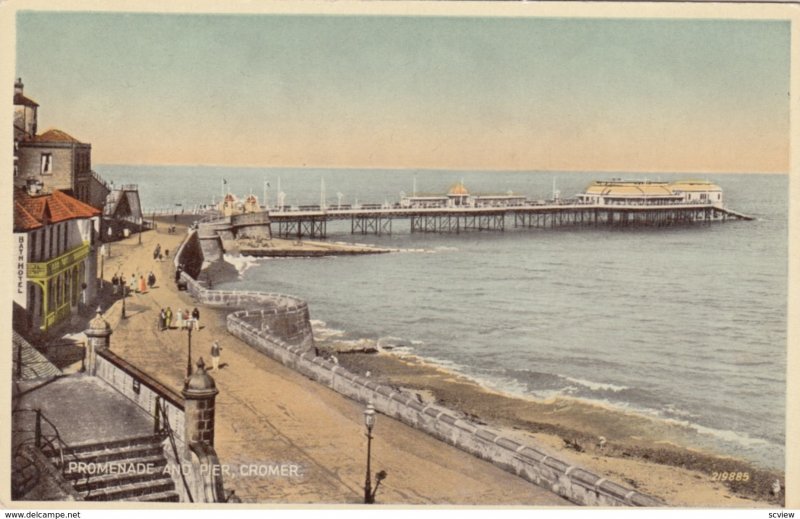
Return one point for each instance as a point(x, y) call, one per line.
point(378, 220)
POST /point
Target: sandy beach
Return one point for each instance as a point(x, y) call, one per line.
point(645, 453)
point(639, 452)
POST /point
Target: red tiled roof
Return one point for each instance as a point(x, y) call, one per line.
point(30, 212)
point(20, 99)
point(54, 135)
point(23, 220)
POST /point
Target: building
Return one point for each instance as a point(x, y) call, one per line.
point(459, 196)
point(507, 200)
point(55, 237)
point(646, 192)
point(56, 159)
point(25, 113)
point(231, 205)
point(698, 191)
point(122, 213)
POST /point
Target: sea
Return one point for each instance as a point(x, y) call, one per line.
point(686, 325)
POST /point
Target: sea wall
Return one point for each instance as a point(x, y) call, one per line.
point(190, 255)
point(279, 326)
point(284, 317)
point(573, 483)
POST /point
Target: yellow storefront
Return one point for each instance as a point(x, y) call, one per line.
point(59, 282)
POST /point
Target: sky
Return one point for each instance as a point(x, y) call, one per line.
point(472, 93)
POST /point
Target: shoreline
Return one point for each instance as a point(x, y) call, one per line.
point(283, 248)
point(679, 475)
point(573, 428)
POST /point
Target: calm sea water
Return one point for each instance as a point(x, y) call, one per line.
point(684, 324)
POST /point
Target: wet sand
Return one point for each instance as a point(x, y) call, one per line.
point(642, 452)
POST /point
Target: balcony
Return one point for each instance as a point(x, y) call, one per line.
point(48, 269)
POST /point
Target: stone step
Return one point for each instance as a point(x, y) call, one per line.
point(117, 454)
point(147, 471)
point(132, 491)
point(160, 497)
point(24, 476)
point(151, 439)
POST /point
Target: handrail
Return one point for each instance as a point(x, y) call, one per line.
point(161, 411)
point(54, 441)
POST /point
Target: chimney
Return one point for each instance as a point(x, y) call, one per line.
point(34, 186)
point(18, 86)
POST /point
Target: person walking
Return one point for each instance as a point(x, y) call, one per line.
point(179, 319)
point(162, 320)
point(151, 279)
point(157, 251)
point(115, 284)
point(168, 317)
point(142, 285)
point(133, 285)
point(196, 318)
point(178, 271)
point(215, 349)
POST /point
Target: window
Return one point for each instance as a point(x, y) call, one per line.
point(41, 244)
point(47, 163)
point(66, 231)
point(32, 247)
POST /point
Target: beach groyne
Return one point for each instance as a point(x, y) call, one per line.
point(278, 326)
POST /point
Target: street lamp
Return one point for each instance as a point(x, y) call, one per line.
point(369, 492)
point(122, 285)
point(189, 356)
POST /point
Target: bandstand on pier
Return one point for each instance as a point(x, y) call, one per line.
point(614, 203)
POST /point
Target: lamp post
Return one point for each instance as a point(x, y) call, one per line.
point(124, 289)
point(369, 492)
point(189, 355)
point(141, 223)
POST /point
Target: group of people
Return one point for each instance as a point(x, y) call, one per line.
point(157, 253)
point(138, 284)
point(184, 319)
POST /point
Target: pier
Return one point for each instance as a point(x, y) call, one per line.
point(312, 223)
point(607, 203)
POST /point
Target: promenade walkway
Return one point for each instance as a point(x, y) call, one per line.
point(269, 415)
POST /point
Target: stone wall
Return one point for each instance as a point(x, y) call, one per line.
point(141, 389)
point(573, 483)
point(190, 255)
point(283, 317)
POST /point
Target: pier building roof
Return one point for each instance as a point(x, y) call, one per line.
point(695, 185)
point(629, 188)
point(458, 189)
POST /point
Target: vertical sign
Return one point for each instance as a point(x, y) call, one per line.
point(20, 269)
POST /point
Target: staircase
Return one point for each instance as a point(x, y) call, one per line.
point(124, 470)
point(24, 475)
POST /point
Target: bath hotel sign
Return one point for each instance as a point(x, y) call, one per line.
point(20, 268)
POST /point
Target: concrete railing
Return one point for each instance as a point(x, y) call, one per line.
point(282, 317)
point(142, 389)
point(573, 483)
